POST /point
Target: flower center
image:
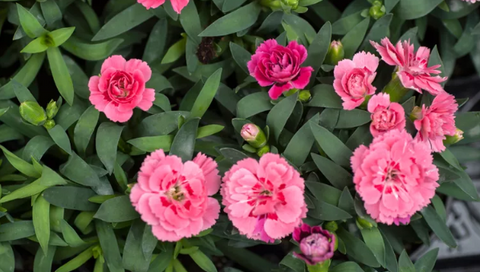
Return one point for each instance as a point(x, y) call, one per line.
point(356, 86)
point(175, 193)
point(383, 119)
point(315, 245)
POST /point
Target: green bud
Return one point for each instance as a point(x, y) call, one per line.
point(331, 226)
point(335, 53)
point(52, 109)
point(273, 4)
point(363, 224)
point(377, 11)
point(254, 135)
point(304, 96)
point(33, 113)
point(262, 151)
point(455, 138)
point(291, 3)
point(49, 124)
point(320, 267)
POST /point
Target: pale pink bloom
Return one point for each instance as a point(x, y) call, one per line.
point(173, 197)
point(470, 1)
point(177, 5)
point(436, 121)
point(121, 87)
point(353, 79)
point(277, 65)
point(412, 68)
point(264, 200)
point(395, 176)
point(316, 244)
point(385, 114)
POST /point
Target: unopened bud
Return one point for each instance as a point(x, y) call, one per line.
point(264, 150)
point(33, 113)
point(49, 124)
point(335, 53)
point(457, 137)
point(331, 226)
point(291, 3)
point(304, 96)
point(377, 10)
point(253, 135)
point(416, 113)
point(363, 224)
point(52, 109)
point(273, 4)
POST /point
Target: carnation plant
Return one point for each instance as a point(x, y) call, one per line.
point(231, 135)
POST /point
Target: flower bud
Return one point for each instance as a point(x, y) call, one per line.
point(363, 224)
point(335, 53)
point(457, 137)
point(377, 10)
point(49, 124)
point(331, 226)
point(52, 109)
point(304, 96)
point(253, 135)
point(416, 113)
point(291, 3)
point(262, 151)
point(33, 113)
point(316, 244)
point(273, 4)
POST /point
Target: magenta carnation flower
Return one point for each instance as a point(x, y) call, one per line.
point(353, 79)
point(413, 69)
point(177, 5)
point(436, 121)
point(277, 65)
point(173, 197)
point(385, 114)
point(316, 244)
point(121, 87)
point(395, 176)
point(264, 199)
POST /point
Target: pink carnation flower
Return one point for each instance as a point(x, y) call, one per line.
point(395, 176)
point(173, 197)
point(264, 199)
point(316, 244)
point(436, 121)
point(413, 69)
point(470, 1)
point(121, 87)
point(177, 5)
point(353, 79)
point(385, 115)
point(277, 65)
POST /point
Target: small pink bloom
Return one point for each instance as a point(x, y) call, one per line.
point(177, 5)
point(316, 244)
point(436, 121)
point(277, 65)
point(173, 197)
point(249, 132)
point(395, 176)
point(121, 87)
point(413, 69)
point(470, 1)
point(385, 115)
point(353, 79)
point(264, 199)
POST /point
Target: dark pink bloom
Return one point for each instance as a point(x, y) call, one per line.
point(264, 200)
point(413, 69)
point(316, 244)
point(121, 87)
point(177, 5)
point(395, 176)
point(435, 122)
point(385, 115)
point(353, 79)
point(273, 64)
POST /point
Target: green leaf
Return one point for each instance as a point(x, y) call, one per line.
point(438, 226)
point(60, 36)
point(118, 209)
point(412, 9)
point(379, 30)
point(427, 261)
point(301, 143)
point(70, 235)
point(232, 155)
point(469, 122)
point(36, 46)
point(206, 95)
point(60, 74)
point(109, 245)
point(233, 22)
point(352, 118)
point(156, 42)
point(295, 264)
point(324, 96)
point(323, 191)
point(345, 24)
point(152, 143)
point(108, 135)
point(29, 23)
point(91, 51)
point(346, 267)
point(336, 175)
point(374, 240)
point(190, 20)
point(328, 212)
point(357, 249)
point(253, 104)
point(161, 261)
point(19, 164)
point(123, 21)
point(16, 230)
point(41, 222)
point(332, 146)
point(21, 92)
point(184, 142)
point(272, 22)
point(24, 76)
point(149, 242)
point(203, 261)
point(60, 137)
point(133, 258)
point(317, 51)
point(84, 129)
point(7, 259)
point(353, 39)
point(404, 263)
point(208, 130)
point(71, 197)
point(77, 170)
point(43, 262)
point(277, 118)
point(76, 262)
point(241, 56)
point(390, 4)
point(51, 11)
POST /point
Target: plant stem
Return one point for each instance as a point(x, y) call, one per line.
point(395, 89)
point(245, 258)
